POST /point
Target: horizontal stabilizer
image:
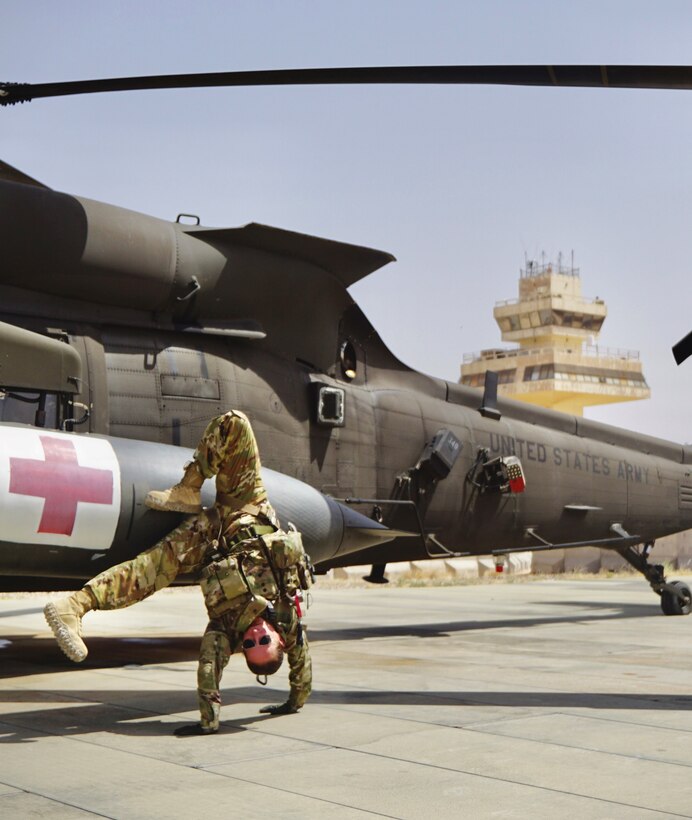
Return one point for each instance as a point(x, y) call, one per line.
point(348, 263)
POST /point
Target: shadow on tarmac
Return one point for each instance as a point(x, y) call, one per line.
point(21, 654)
point(127, 712)
point(600, 612)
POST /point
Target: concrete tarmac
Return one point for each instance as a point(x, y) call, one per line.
point(539, 699)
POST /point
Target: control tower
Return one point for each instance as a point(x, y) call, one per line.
point(557, 363)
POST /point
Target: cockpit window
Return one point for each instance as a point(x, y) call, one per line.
point(38, 409)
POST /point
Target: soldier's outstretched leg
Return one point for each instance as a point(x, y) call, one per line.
point(183, 497)
point(65, 619)
point(131, 581)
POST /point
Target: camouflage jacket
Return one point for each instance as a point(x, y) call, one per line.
point(240, 583)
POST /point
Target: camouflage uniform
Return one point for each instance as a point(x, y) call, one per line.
point(228, 450)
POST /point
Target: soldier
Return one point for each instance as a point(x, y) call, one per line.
point(232, 544)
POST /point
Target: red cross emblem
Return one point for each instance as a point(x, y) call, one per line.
point(62, 482)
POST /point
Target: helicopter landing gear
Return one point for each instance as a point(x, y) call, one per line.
point(676, 597)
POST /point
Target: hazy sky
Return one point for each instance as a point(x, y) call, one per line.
point(458, 183)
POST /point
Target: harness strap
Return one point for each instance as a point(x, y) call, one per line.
point(250, 533)
point(278, 580)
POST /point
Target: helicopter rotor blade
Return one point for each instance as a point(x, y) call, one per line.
point(683, 349)
point(576, 76)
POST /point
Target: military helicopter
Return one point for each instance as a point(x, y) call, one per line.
point(122, 334)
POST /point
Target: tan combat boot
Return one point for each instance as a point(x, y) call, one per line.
point(65, 619)
point(183, 497)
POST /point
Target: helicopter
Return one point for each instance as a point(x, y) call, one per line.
point(123, 334)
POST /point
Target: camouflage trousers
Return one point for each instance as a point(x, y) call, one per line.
point(182, 550)
point(228, 449)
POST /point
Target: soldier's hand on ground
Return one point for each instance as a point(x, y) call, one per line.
point(278, 709)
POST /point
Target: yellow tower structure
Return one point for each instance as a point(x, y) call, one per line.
point(557, 364)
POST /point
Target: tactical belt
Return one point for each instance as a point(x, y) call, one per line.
point(225, 546)
point(250, 533)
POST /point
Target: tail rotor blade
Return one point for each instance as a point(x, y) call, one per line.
point(683, 348)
